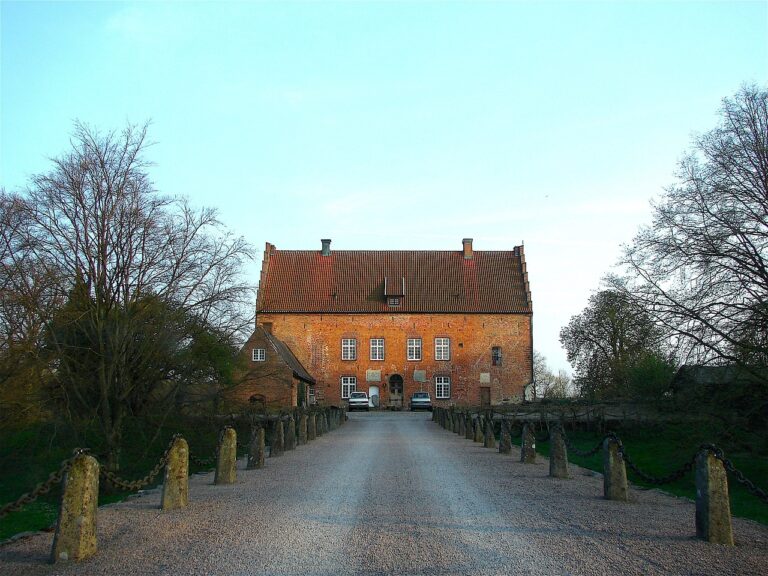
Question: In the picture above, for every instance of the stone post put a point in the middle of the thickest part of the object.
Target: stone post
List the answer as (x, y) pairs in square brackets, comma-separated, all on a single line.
[(449, 422), (713, 507), (490, 436), (460, 428), (468, 430), (458, 418), (319, 420), (303, 429), (278, 439), (528, 446), (478, 429), (226, 463), (505, 439), (256, 450), (75, 537), (312, 427), (290, 437), (614, 472), (558, 454), (176, 480)]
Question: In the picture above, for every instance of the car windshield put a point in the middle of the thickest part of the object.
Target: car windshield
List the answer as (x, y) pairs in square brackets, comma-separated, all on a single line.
[(358, 395), (420, 395)]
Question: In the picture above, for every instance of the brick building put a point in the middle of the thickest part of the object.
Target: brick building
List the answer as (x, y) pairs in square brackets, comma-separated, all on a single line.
[(454, 323)]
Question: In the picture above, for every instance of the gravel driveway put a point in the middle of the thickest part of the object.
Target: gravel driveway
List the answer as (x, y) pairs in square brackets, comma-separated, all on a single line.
[(393, 493)]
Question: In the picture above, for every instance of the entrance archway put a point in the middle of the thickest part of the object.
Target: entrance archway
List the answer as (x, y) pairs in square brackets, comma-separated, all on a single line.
[(396, 391)]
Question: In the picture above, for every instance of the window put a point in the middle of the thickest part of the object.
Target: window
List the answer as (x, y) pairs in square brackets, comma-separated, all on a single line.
[(442, 386), (442, 348), (258, 355), (377, 348), (496, 356), (348, 385), (414, 348), (349, 349), (393, 301)]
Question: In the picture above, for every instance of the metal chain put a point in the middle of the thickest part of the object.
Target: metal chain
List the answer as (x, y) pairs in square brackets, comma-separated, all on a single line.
[(129, 485), (655, 480), (577, 451), (42, 487), (737, 474)]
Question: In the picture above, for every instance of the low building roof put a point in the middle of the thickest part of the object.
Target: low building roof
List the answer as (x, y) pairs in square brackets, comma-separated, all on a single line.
[(287, 355), (431, 281)]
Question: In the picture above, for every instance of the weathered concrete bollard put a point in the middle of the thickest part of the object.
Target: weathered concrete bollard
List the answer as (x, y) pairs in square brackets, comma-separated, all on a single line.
[(226, 463), (278, 439), (449, 422), (75, 537), (489, 441), (303, 429), (528, 446), (290, 437), (713, 507), (319, 431), (469, 431), (176, 480), (505, 439), (478, 429), (461, 427), (256, 450), (614, 472), (558, 454), (312, 427)]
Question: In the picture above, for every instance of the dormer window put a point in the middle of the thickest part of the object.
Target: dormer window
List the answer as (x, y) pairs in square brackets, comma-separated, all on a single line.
[(393, 301), (394, 290)]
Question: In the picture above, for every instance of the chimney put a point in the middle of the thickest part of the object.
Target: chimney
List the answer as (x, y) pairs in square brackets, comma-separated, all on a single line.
[(467, 242), (326, 251)]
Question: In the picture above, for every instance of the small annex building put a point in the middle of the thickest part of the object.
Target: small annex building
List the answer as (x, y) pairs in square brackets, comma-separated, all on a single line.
[(457, 324), (273, 375)]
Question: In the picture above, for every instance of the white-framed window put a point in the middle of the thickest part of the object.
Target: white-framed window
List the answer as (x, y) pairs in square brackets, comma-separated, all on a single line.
[(393, 301), (348, 385), (349, 349), (414, 348), (377, 348), (442, 386), (258, 354), (442, 348)]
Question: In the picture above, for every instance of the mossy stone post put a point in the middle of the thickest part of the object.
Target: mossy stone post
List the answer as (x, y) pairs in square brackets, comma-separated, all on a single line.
[(75, 537), (278, 439), (434, 415), (290, 437), (713, 507), (614, 472), (176, 480), (558, 454), (319, 431), (256, 450), (226, 463), (505, 439), (461, 431), (312, 427), (449, 421), (489, 441), (528, 445), (303, 429), (469, 431), (478, 429)]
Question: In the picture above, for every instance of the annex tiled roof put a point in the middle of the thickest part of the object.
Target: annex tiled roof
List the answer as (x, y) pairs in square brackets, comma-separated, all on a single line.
[(287, 356), (352, 281)]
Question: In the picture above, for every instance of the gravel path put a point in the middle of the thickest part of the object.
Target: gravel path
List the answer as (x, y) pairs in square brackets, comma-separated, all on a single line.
[(393, 493)]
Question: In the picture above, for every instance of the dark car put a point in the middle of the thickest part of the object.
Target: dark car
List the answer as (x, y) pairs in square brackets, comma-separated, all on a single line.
[(421, 401)]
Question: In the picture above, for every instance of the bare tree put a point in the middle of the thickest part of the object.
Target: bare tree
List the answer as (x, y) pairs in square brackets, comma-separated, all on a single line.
[(143, 274), (700, 268), (547, 384)]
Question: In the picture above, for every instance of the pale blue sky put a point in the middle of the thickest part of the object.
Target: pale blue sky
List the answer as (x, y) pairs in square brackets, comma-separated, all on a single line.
[(393, 125)]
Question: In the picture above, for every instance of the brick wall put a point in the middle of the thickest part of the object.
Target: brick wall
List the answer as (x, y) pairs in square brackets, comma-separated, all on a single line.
[(272, 377), (316, 341)]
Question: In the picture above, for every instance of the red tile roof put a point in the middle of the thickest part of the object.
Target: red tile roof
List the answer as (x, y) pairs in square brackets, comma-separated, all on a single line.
[(352, 281)]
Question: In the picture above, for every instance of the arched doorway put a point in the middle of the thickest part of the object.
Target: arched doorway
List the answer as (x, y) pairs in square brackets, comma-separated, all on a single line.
[(396, 391)]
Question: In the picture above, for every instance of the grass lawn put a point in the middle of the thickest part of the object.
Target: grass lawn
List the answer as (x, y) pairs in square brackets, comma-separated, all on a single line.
[(659, 452), (28, 456)]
